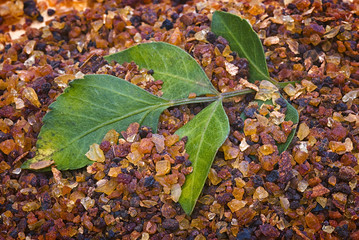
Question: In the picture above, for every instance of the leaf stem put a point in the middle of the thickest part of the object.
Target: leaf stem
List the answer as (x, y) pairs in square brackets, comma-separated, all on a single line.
[(210, 99), (236, 93)]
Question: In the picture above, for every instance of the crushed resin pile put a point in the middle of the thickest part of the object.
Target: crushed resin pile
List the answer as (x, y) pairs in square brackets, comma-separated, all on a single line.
[(310, 191)]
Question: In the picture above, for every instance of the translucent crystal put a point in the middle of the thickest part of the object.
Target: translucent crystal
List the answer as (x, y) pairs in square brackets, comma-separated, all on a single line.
[(266, 91), (350, 96), (114, 171), (303, 131), (96, 25), (29, 47), (163, 167), (271, 40), (244, 168), (201, 35), (266, 149), (277, 117), (108, 187), (64, 79), (87, 202), (76, 195), (290, 90), (260, 193), (31, 206), (315, 39), (137, 38), (235, 204), (159, 142), (145, 146), (111, 136), (134, 157), (58, 25), (176, 192), (302, 185), (310, 87), (322, 201), (213, 177), (340, 197), (300, 156), (176, 37), (171, 139), (145, 236), (95, 153), (334, 58), (238, 193), (19, 103), (284, 202), (244, 145), (332, 32), (250, 127), (230, 152), (328, 229), (337, 147), (7, 146), (30, 94)]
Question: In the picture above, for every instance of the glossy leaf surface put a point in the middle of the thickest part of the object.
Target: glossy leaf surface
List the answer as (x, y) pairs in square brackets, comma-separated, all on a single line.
[(243, 40), (179, 71), (206, 132), (86, 111)]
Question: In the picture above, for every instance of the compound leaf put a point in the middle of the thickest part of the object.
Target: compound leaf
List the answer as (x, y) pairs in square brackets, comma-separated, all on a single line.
[(206, 132), (85, 112), (180, 73)]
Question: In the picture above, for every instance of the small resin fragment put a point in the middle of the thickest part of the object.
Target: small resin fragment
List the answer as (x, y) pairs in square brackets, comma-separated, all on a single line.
[(277, 117), (266, 149), (87, 202), (7, 146), (230, 152), (319, 190), (163, 167), (267, 91), (260, 193), (95, 153), (303, 131), (131, 132), (231, 68), (310, 87), (192, 95), (213, 177), (244, 145), (313, 222), (235, 205), (350, 96), (176, 192), (271, 40), (159, 141), (247, 84), (111, 136), (114, 171), (31, 206), (30, 94)]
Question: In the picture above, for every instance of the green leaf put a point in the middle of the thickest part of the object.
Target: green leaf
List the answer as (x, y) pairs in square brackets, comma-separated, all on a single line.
[(206, 132), (86, 111), (180, 73), (291, 115), (243, 40)]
